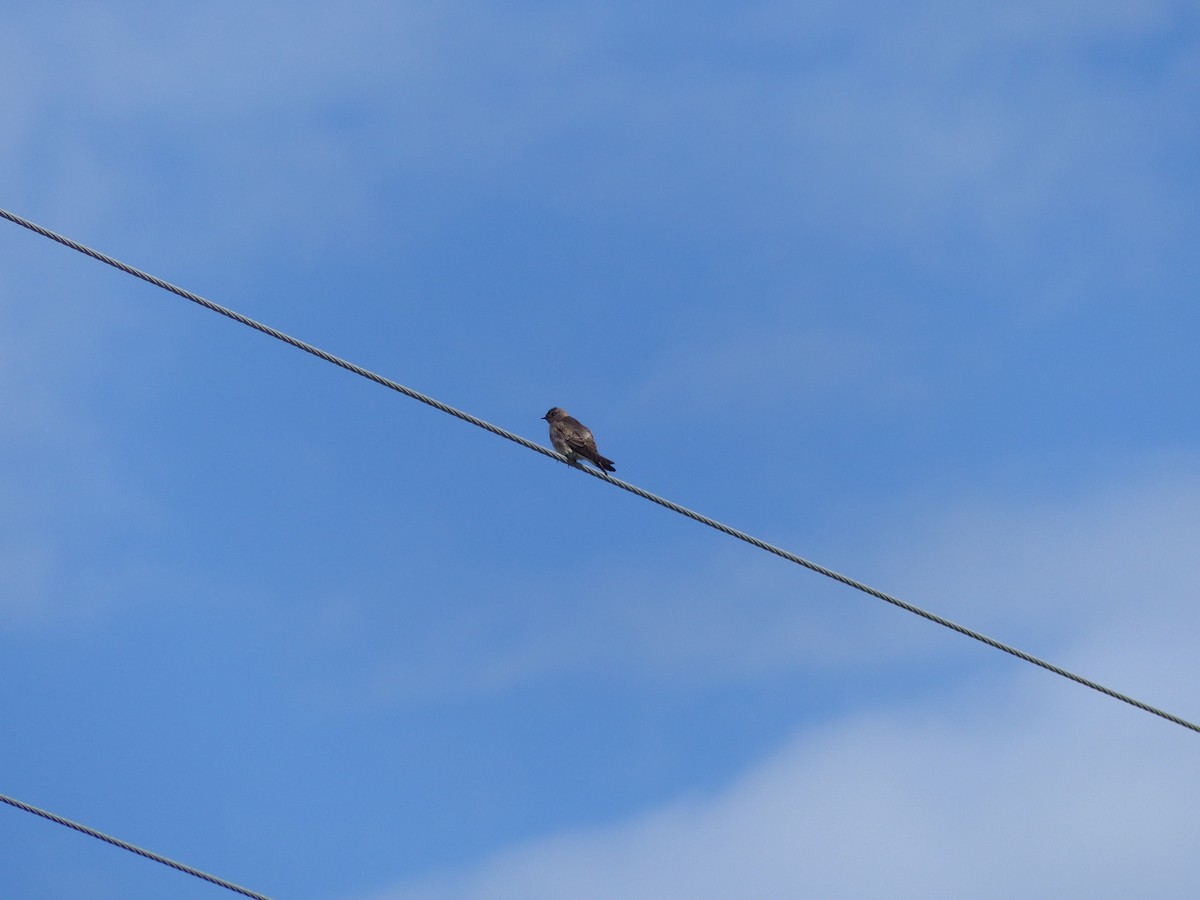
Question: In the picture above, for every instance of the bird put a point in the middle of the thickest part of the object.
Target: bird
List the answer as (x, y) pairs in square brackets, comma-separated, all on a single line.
[(574, 440)]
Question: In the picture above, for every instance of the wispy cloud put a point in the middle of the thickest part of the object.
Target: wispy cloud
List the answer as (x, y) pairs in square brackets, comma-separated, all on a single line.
[(900, 130), (66, 497), (997, 791), (949, 784), (752, 372), (1043, 576)]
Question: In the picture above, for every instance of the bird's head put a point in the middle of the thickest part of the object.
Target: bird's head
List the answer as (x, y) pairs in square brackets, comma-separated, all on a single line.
[(555, 413)]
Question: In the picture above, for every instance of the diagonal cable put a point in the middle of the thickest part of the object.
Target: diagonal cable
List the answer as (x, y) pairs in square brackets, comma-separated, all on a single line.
[(117, 842), (633, 489)]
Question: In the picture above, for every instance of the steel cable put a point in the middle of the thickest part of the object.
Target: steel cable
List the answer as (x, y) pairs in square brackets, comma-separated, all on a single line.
[(125, 845), (633, 489)]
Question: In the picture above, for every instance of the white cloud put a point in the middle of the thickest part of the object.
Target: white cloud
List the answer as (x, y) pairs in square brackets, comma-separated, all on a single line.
[(1083, 564), (888, 128), (64, 499), (999, 124), (1018, 788), (753, 370), (1042, 577), (736, 618), (1013, 782)]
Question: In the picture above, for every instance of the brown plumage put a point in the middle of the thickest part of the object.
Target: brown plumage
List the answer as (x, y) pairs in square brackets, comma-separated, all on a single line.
[(574, 440)]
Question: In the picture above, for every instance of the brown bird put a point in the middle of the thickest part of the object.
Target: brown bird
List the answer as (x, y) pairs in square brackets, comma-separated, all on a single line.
[(574, 440)]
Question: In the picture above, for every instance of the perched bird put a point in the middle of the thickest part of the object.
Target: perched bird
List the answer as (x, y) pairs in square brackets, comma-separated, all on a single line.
[(574, 440)]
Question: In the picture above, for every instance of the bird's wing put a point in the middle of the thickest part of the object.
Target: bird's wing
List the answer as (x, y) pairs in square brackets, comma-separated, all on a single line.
[(580, 440)]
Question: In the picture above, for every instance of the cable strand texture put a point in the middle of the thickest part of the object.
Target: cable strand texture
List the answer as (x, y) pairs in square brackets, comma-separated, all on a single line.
[(633, 489), (117, 842)]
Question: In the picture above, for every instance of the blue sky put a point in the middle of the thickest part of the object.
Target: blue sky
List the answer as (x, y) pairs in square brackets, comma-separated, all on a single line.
[(909, 290)]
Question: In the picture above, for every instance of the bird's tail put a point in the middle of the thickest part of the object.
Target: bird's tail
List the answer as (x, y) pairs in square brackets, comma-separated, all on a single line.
[(606, 465)]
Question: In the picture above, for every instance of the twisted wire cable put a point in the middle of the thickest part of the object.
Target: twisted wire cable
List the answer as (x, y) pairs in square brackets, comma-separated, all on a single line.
[(633, 489), (124, 845)]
